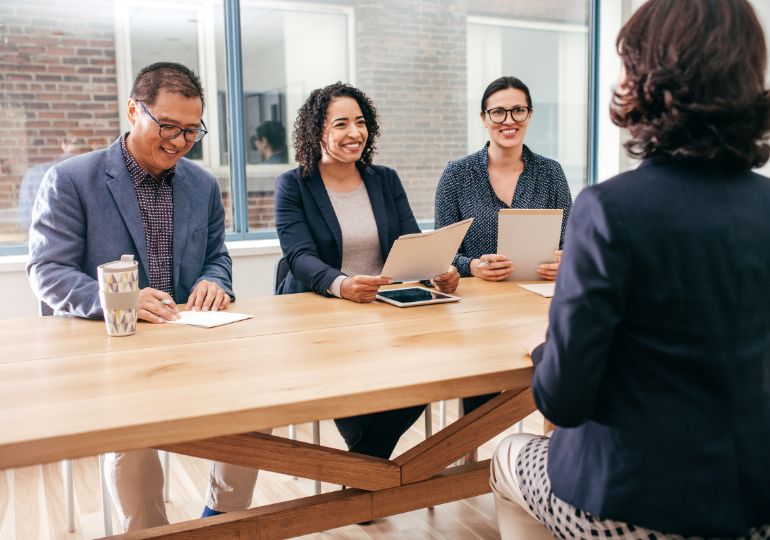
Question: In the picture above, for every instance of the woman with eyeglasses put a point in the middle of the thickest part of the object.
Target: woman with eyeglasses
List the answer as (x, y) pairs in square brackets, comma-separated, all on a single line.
[(503, 174)]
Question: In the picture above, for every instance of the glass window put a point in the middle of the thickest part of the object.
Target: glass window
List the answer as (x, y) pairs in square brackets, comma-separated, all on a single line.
[(58, 96), (69, 66), (287, 53), (557, 77), (176, 31)]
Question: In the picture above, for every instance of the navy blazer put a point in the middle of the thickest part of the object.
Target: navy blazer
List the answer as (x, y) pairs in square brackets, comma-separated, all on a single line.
[(310, 234), (657, 359), (87, 214)]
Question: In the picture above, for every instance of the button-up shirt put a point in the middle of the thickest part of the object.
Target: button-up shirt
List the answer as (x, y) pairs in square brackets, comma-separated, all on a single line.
[(464, 191), (156, 206)]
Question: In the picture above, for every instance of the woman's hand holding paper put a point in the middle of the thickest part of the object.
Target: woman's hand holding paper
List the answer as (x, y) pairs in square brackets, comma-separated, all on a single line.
[(448, 281), (492, 267)]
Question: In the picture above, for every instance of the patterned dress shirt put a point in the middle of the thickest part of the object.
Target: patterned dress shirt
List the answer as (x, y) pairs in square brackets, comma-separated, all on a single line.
[(156, 206), (464, 191)]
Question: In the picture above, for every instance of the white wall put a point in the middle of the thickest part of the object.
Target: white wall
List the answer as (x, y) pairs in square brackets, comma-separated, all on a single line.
[(253, 264)]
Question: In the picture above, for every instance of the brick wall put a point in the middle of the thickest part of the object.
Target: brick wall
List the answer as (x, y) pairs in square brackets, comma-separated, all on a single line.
[(57, 79), (410, 59)]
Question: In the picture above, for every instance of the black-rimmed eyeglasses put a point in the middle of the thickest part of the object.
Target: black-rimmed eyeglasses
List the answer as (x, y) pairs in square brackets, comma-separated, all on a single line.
[(518, 114), (170, 131)]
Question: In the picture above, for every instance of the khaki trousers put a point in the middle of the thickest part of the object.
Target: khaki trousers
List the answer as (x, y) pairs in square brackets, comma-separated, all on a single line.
[(135, 482), (514, 519)]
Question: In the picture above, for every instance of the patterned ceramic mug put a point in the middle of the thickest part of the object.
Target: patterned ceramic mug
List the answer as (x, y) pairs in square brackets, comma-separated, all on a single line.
[(119, 295)]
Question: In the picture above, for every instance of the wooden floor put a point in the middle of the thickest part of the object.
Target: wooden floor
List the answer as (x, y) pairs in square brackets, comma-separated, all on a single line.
[(32, 498)]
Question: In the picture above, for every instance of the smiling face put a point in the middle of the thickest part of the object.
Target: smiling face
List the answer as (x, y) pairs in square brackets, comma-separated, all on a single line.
[(344, 136), (510, 133), (153, 153)]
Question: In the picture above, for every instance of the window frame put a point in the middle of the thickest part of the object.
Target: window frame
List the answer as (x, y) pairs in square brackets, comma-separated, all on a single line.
[(239, 171)]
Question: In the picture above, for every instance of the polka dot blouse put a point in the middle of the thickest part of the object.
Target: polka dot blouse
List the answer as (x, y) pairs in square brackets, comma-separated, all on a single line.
[(464, 191)]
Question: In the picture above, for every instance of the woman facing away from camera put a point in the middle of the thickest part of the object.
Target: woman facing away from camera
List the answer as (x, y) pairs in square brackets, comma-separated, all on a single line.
[(656, 364), (503, 174)]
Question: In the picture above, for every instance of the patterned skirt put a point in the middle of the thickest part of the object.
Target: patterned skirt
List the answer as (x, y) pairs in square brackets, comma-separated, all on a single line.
[(569, 523)]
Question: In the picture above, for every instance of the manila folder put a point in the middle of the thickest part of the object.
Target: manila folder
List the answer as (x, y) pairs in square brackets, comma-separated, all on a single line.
[(425, 255), (528, 238)]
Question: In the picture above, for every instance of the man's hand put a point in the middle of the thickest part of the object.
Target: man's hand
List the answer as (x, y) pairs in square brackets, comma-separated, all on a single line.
[(448, 281), (549, 271), (208, 296), (362, 289), (156, 306), (492, 267)]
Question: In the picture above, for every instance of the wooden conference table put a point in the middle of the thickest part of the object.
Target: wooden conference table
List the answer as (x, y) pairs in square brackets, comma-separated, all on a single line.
[(67, 390)]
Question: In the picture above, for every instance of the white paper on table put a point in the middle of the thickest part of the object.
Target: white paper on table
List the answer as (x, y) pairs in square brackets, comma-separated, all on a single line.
[(543, 289), (209, 319), (425, 255), (528, 238)]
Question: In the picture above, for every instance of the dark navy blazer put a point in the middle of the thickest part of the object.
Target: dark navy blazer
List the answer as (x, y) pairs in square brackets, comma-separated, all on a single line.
[(657, 358), (310, 234)]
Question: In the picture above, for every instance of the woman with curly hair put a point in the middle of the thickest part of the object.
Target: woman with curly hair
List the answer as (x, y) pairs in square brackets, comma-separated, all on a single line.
[(656, 364), (337, 216)]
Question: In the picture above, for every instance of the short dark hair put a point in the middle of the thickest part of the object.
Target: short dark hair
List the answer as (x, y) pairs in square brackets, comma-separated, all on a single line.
[(501, 84), (695, 82), (311, 117), (274, 133), (168, 76)]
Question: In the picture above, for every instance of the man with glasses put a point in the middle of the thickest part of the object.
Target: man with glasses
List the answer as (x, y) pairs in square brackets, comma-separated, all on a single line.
[(136, 197)]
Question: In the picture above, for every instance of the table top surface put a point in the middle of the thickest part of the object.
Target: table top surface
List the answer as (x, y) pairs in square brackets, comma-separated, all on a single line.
[(69, 390)]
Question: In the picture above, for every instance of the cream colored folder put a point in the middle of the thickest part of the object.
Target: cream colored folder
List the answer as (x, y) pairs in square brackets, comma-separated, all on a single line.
[(425, 255), (528, 238)]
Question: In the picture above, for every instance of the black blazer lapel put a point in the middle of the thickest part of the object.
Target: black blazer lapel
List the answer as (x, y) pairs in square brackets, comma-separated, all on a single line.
[(122, 191), (318, 191), (373, 185)]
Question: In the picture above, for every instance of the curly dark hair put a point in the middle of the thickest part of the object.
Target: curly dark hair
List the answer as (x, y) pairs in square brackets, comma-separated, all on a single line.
[(695, 82), (311, 117)]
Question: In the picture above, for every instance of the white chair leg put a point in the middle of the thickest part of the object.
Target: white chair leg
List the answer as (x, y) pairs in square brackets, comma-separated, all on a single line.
[(428, 420), (106, 502), (519, 427), (166, 475), (442, 414), (317, 440), (69, 494)]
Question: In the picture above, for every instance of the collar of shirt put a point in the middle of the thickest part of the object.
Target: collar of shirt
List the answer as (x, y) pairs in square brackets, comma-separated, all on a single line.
[(483, 156), (138, 174)]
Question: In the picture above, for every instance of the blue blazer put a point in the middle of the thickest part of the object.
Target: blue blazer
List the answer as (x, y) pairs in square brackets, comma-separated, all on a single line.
[(656, 365), (310, 234), (87, 214)]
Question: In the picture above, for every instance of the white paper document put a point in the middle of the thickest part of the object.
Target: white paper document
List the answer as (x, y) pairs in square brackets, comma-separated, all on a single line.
[(425, 255), (528, 238), (209, 319), (543, 289)]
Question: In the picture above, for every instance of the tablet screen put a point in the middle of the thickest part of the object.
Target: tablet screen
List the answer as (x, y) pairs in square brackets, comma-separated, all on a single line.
[(414, 294)]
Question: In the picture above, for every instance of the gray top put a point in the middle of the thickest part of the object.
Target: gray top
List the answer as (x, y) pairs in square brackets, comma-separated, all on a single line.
[(361, 253)]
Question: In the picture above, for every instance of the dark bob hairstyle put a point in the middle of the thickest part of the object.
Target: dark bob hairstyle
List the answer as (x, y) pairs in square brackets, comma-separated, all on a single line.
[(503, 83), (694, 83), (311, 118)]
